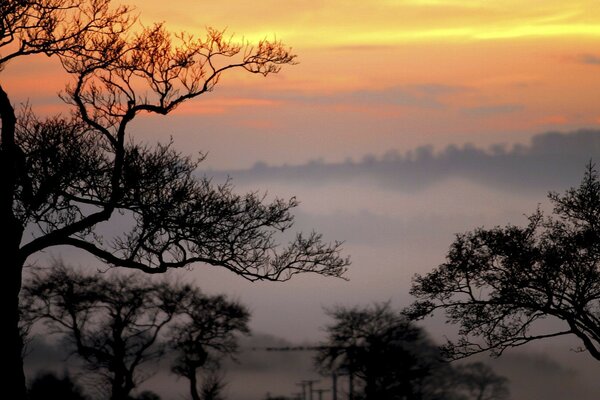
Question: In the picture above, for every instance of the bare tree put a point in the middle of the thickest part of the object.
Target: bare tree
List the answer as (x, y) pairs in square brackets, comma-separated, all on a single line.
[(213, 385), (206, 332), (30, 27), (496, 284), (119, 325), (113, 325), (64, 176), (57, 26)]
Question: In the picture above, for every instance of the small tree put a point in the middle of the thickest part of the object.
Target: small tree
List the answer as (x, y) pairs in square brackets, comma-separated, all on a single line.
[(205, 332), (496, 284), (387, 356), (118, 325), (212, 386), (62, 177)]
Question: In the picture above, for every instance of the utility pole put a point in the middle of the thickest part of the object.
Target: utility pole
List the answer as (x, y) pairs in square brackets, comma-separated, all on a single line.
[(333, 386), (303, 385), (351, 386), (309, 383), (320, 392)]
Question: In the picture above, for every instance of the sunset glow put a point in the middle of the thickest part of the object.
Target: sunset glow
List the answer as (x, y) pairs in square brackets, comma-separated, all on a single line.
[(419, 71)]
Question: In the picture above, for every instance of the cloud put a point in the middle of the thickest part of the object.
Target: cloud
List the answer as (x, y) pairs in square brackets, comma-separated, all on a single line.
[(485, 111), (552, 161), (395, 96), (590, 59), (424, 95), (421, 96)]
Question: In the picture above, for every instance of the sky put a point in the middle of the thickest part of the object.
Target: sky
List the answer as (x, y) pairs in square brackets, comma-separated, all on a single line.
[(380, 75), (403, 123), (374, 76)]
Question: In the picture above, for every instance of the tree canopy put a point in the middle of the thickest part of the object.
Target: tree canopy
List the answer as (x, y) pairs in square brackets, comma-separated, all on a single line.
[(75, 172), (386, 356), (498, 283), (207, 329), (66, 175), (119, 325)]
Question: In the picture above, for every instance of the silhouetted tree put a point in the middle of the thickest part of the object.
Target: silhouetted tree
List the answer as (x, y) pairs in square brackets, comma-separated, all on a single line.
[(389, 358), (30, 27), (56, 26), (63, 176), (205, 332), (497, 283), (387, 355), (212, 386), (117, 325), (47, 385)]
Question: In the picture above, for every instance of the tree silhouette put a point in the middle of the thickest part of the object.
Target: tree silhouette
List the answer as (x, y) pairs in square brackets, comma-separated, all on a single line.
[(212, 386), (497, 283), (205, 332), (57, 26), (390, 358), (119, 325), (64, 176), (387, 356)]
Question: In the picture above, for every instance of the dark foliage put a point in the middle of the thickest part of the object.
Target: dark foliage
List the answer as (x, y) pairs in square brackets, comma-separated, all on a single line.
[(391, 358), (47, 385), (497, 283), (62, 177), (206, 330), (118, 326)]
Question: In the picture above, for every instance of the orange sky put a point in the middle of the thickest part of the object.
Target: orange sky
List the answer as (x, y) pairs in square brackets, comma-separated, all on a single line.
[(378, 75)]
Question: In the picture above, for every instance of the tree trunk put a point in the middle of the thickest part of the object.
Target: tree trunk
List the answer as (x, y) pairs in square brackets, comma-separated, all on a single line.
[(193, 385), (11, 232), (351, 385), (334, 386), (120, 389), (13, 377), (120, 385)]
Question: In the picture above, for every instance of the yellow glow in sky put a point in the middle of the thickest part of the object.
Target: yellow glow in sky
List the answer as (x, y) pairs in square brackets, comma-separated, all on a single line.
[(338, 23), (414, 71), (408, 72)]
